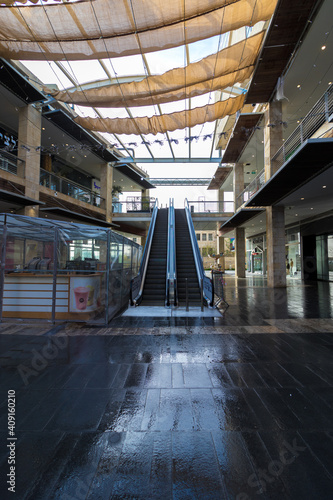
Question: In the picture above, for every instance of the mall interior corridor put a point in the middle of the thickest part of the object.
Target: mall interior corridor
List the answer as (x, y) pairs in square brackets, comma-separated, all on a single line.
[(235, 406)]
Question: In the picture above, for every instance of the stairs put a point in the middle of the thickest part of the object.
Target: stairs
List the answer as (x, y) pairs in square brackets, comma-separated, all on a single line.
[(185, 262), (155, 282)]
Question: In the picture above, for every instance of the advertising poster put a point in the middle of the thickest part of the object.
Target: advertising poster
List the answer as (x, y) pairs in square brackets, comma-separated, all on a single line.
[(85, 293)]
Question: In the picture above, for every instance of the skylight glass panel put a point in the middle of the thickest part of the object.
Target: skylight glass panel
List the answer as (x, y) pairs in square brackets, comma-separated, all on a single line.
[(48, 73), (85, 71), (134, 142), (85, 111), (174, 106), (113, 112), (201, 147), (163, 60), (125, 66), (178, 136), (203, 48), (159, 145), (202, 100), (144, 111)]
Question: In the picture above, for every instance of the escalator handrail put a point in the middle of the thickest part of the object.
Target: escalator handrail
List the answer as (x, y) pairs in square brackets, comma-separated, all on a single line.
[(139, 279), (171, 274), (207, 283)]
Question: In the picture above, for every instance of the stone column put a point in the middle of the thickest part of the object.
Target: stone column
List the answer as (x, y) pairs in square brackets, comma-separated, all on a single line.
[(29, 139), (240, 252), (276, 247), (220, 248), (238, 182), (106, 189), (144, 239), (272, 136), (145, 203), (275, 226)]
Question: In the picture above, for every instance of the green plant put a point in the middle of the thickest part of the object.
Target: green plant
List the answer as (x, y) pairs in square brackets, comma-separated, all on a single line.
[(117, 190)]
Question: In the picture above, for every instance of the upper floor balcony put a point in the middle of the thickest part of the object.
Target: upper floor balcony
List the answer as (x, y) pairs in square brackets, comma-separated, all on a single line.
[(11, 163), (311, 127), (70, 188)]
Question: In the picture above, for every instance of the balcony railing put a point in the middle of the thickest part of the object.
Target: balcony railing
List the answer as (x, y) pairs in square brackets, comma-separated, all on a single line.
[(215, 207), (134, 204), (11, 163), (61, 185), (251, 189), (321, 112)]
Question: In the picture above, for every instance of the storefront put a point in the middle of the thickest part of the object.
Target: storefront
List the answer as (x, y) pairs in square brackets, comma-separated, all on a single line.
[(64, 271)]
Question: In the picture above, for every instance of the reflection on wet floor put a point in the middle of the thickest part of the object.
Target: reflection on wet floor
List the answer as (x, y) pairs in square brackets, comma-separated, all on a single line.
[(236, 406)]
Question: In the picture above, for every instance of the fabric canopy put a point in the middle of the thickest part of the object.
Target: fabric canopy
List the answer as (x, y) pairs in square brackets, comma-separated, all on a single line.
[(164, 123), (195, 79), (108, 28)]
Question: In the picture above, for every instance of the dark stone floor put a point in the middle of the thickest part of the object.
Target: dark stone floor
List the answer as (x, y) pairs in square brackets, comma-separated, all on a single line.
[(237, 407)]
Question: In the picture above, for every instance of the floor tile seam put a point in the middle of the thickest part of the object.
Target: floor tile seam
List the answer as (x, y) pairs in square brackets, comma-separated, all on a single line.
[(221, 476), (44, 467), (328, 473)]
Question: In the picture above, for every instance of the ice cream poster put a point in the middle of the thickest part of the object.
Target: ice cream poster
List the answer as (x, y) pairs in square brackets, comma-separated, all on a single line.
[(85, 293)]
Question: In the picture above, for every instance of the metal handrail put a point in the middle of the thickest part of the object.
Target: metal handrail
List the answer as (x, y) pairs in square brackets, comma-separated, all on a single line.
[(321, 112), (137, 283), (10, 162), (62, 180), (171, 280), (205, 284)]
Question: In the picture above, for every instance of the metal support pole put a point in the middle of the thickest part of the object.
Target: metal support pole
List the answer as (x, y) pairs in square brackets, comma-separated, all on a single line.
[(186, 294), (107, 277), (55, 266), (3, 263), (201, 293)]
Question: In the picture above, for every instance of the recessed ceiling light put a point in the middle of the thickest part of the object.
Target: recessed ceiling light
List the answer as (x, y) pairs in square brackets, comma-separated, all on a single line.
[(260, 221), (329, 83), (296, 215), (297, 121), (43, 128), (324, 187), (323, 47), (311, 208), (298, 86), (302, 198)]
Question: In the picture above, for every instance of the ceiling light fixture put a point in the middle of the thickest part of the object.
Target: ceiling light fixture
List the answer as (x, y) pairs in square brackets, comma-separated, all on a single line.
[(323, 47), (302, 198), (324, 187), (298, 86)]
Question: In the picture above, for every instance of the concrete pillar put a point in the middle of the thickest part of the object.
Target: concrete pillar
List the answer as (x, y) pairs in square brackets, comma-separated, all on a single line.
[(106, 189), (272, 136), (220, 195), (145, 202), (276, 247), (29, 139), (240, 252), (220, 248), (144, 239), (238, 174)]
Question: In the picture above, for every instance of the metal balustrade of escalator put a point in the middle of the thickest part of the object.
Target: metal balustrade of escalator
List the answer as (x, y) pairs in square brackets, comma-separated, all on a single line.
[(155, 280), (186, 268)]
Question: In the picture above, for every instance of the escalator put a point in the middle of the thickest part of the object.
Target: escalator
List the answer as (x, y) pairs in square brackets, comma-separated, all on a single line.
[(154, 284), (186, 267)]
